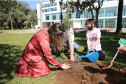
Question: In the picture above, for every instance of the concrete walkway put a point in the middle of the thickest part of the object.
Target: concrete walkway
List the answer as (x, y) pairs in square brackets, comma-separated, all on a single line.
[(22, 31)]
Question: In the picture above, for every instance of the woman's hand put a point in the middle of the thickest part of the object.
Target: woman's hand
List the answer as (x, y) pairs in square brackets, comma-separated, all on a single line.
[(65, 66)]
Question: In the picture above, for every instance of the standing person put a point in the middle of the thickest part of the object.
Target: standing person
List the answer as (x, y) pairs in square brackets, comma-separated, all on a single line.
[(33, 62), (93, 38)]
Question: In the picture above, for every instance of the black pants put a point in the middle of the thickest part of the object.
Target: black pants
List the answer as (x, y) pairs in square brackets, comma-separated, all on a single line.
[(101, 53)]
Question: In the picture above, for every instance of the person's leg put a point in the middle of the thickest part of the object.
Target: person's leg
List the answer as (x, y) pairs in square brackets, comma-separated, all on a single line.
[(57, 52), (66, 47), (85, 48), (101, 55), (76, 47), (52, 47)]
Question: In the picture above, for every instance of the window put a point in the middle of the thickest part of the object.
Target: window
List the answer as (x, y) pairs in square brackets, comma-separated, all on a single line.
[(124, 10), (45, 10), (54, 17), (101, 13), (51, 4), (78, 15), (100, 23), (47, 17), (53, 9), (55, 4), (111, 12), (124, 23), (110, 23)]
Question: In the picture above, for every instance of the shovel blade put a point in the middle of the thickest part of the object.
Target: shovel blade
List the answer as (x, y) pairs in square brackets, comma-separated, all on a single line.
[(105, 68)]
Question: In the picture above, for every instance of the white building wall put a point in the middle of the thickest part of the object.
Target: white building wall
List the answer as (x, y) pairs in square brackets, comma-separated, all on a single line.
[(75, 21)]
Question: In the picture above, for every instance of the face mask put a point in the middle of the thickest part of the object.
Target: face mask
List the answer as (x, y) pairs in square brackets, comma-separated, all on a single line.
[(90, 28)]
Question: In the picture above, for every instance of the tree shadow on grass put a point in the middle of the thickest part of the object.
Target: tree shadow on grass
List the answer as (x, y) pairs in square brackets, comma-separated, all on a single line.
[(9, 57)]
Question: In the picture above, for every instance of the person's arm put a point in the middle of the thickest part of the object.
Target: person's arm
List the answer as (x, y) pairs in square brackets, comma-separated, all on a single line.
[(98, 39), (47, 52), (71, 42), (71, 47), (88, 43), (96, 42)]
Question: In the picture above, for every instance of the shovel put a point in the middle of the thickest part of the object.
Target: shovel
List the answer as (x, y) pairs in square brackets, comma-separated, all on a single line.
[(121, 42), (111, 61)]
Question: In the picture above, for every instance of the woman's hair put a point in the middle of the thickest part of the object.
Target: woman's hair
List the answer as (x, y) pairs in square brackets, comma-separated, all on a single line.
[(56, 35), (89, 21)]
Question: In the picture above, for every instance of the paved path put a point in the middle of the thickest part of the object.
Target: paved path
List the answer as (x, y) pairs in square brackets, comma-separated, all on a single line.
[(22, 31)]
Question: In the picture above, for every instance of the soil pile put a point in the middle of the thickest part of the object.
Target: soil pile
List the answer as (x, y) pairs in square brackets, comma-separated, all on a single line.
[(89, 73)]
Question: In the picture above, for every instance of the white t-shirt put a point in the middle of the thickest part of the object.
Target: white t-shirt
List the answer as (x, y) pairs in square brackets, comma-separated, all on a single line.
[(93, 35), (69, 35)]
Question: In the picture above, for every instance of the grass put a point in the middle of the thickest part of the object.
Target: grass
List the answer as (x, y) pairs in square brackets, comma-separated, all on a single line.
[(13, 44)]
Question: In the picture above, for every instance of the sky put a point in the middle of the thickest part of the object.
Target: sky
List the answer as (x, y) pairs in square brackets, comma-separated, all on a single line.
[(33, 3)]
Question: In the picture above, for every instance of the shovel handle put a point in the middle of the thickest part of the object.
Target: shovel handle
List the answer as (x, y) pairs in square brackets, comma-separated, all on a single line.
[(116, 54), (114, 57)]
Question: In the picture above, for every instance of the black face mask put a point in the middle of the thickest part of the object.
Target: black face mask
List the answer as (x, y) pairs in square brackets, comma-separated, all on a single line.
[(90, 28)]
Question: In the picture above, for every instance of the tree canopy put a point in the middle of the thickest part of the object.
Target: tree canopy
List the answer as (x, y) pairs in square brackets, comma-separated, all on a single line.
[(15, 13)]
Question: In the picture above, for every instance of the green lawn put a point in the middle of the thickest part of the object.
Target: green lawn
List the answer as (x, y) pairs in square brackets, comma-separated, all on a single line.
[(12, 45)]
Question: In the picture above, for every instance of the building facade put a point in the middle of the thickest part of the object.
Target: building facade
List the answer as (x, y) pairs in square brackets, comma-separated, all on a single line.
[(107, 15)]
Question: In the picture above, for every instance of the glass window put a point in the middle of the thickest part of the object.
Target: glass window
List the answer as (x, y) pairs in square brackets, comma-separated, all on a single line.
[(124, 10), (111, 12), (124, 23), (47, 17), (54, 9), (87, 14), (101, 12), (110, 23), (45, 10), (48, 5), (100, 23), (54, 17), (77, 15), (51, 4), (55, 4)]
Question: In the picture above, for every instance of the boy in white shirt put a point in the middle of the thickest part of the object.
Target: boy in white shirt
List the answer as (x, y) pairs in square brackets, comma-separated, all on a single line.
[(93, 38)]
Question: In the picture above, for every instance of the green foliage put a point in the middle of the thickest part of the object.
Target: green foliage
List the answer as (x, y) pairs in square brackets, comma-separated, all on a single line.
[(19, 12), (66, 21), (32, 18)]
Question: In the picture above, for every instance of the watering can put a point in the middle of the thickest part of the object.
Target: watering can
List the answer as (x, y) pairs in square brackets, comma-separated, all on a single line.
[(91, 56)]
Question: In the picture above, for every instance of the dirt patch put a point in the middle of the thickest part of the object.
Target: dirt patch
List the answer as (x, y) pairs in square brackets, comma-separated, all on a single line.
[(88, 73)]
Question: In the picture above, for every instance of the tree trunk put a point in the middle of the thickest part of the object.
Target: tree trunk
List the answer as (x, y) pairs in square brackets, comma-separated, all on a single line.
[(97, 12), (92, 13), (119, 20), (16, 25), (10, 18)]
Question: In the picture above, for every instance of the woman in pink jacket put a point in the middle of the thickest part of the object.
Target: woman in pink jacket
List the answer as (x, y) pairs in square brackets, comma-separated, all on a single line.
[(33, 62)]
